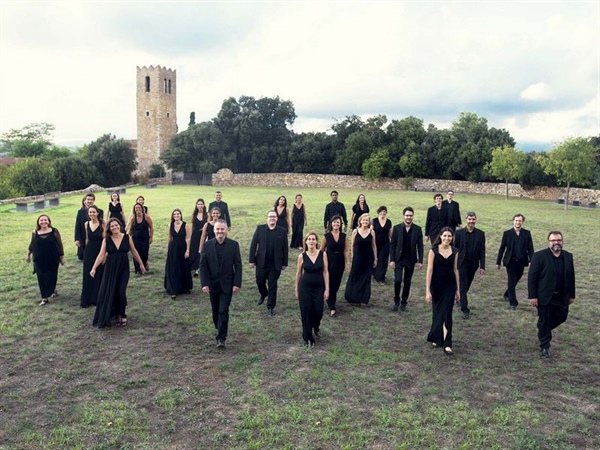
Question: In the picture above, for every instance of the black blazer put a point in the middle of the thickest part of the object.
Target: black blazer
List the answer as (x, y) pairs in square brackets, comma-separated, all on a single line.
[(432, 226), (453, 212), (224, 211), (509, 240), (259, 256), (80, 220), (478, 246), (416, 244), (541, 279), (221, 277)]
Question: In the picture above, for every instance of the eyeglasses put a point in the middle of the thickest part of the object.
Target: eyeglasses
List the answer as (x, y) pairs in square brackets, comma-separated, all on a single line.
[(555, 240)]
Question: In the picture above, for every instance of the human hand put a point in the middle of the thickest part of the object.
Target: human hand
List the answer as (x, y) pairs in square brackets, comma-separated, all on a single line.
[(419, 266), (236, 289), (534, 302), (206, 290), (428, 297)]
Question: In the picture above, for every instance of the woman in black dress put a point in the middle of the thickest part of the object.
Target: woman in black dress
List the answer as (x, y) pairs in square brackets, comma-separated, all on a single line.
[(364, 259), (141, 200), (199, 218), (94, 228), (442, 289), (47, 250), (382, 226), (178, 278), (208, 231), (141, 229), (283, 218), (112, 296), (299, 219), (312, 287), (335, 245), (115, 208), (358, 209)]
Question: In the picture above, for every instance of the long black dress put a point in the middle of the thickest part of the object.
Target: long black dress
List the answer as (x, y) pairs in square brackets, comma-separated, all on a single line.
[(297, 226), (89, 290), (311, 289), (140, 233), (382, 240), (112, 296), (197, 226), (282, 220), (46, 250), (357, 213), (358, 286), (335, 264), (443, 292), (116, 212), (178, 278)]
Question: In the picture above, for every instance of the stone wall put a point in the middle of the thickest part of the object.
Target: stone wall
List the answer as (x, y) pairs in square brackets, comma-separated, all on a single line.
[(226, 177)]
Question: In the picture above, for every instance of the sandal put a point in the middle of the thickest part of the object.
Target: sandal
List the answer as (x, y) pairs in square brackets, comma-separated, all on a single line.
[(54, 294), (123, 322), (448, 351), (433, 345), (44, 301)]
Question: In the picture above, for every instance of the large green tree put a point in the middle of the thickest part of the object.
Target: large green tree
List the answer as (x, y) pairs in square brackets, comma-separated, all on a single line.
[(113, 158), (74, 172), (33, 176), (571, 161), (508, 164)]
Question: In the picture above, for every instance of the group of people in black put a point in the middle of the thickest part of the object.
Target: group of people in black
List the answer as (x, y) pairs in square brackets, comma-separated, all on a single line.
[(203, 249)]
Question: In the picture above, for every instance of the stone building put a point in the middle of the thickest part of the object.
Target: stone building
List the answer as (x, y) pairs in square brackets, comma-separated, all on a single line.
[(156, 104)]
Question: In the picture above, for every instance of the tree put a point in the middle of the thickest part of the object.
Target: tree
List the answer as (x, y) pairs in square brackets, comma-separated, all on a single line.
[(113, 158), (74, 173), (375, 166), (34, 132), (312, 153), (33, 177), (533, 174), (507, 164), (571, 161), (192, 119)]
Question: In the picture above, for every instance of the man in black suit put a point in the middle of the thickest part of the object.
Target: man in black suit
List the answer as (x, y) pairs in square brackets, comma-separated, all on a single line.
[(470, 242), (406, 252), (221, 276), (516, 251), (269, 254), (437, 218), (222, 207), (551, 285), (80, 220), (453, 210), (335, 208)]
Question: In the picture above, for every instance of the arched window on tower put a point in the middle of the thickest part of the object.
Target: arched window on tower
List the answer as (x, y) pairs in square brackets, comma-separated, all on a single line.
[(147, 84)]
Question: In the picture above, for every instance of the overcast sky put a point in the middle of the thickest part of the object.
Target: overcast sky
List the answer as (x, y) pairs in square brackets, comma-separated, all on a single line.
[(529, 67)]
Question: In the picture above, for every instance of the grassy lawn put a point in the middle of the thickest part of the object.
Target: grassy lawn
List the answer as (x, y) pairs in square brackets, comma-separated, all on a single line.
[(371, 381)]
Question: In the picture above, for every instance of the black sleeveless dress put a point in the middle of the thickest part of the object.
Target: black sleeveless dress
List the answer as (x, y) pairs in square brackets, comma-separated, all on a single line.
[(311, 289), (197, 226), (282, 220), (178, 278), (382, 241), (140, 233), (358, 287), (443, 292), (297, 226), (335, 264), (90, 287)]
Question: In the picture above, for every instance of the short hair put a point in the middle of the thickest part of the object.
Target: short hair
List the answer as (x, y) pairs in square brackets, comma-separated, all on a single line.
[(408, 208), (519, 215), (333, 192), (138, 197), (554, 232), (271, 211), (220, 221), (381, 208), (471, 214), (90, 194), (218, 192), (310, 233), (333, 219), (450, 191), (438, 195), (363, 215)]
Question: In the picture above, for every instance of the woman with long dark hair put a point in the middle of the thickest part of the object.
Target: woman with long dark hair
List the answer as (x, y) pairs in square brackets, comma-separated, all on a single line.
[(335, 245), (178, 278), (47, 250), (358, 209), (94, 229), (141, 229), (199, 218), (299, 220), (382, 226), (115, 208), (283, 218), (208, 231), (442, 288)]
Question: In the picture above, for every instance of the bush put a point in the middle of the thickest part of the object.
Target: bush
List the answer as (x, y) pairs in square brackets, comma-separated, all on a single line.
[(7, 190), (156, 171), (74, 173), (33, 177)]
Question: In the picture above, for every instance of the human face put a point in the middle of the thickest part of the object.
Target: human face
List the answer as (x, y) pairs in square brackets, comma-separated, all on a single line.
[(336, 224), (218, 196), (334, 197), (114, 197), (518, 222), (89, 201), (298, 199), (115, 227), (93, 214), (138, 208), (272, 220), (281, 201), (438, 201), (447, 238), (408, 218), (311, 241), (361, 198), (471, 221), (555, 242), (215, 214), (43, 222), (365, 222), (140, 200), (176, 216), (220, 232), (200, 205), (382, 214), (450, 195)]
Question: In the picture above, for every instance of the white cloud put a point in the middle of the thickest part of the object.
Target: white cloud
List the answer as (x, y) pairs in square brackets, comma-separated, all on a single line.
[(537, 91)]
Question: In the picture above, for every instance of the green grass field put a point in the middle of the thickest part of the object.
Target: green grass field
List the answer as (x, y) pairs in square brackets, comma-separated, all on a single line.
[(371, 381)]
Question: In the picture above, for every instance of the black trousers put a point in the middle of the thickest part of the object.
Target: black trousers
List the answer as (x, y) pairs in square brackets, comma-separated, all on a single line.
[(398, 279), (549, 317), (514, 271), (220, 312), (266, 281), (466, 273)]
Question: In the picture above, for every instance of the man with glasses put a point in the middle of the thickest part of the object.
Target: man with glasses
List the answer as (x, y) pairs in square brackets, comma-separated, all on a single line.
[(551, 285), (269, 255), (406, 252)]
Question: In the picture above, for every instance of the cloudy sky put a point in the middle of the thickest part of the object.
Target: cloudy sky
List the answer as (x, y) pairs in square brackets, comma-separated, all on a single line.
[(530, 67)]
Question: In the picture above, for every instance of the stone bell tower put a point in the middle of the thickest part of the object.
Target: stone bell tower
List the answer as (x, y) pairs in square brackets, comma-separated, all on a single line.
[(156, 100)]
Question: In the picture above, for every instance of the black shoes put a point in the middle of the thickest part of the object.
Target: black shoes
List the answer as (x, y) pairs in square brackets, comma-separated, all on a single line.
[(317, 334), (545, 353), (395, 307), (220, 343), (271, 312), (512, 307), (466, 315), (260, 300), (505, 297), (402, 307)]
